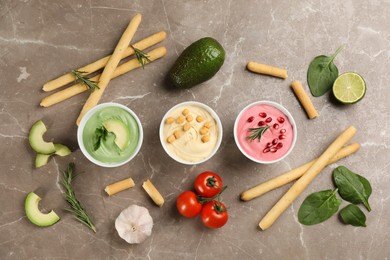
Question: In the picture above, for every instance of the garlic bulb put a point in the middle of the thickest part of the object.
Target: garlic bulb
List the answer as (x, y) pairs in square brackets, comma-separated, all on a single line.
[(134, 224)]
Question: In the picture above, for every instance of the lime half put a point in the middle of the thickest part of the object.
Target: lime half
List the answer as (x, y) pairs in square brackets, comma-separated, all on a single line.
[(349, 88)]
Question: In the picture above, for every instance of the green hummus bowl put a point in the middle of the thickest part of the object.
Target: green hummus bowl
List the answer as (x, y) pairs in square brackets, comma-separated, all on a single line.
[(110, 135)]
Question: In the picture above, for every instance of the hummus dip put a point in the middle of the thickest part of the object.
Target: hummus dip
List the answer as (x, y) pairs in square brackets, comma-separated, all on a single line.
[(194, 133), (109, 152)]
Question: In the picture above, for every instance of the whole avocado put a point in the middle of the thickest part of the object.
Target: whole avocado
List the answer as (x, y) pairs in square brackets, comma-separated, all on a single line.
[(198, 63)]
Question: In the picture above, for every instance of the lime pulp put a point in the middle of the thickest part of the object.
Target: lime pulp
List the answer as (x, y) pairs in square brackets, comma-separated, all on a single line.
[(349, 88)]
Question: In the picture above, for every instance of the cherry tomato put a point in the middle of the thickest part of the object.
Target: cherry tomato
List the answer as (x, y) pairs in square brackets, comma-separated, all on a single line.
[(208, 184), (214, 214), (188, 205)]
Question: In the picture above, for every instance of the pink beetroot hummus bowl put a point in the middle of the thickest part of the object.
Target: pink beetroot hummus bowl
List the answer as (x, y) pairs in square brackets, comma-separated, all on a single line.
[(265, 132)]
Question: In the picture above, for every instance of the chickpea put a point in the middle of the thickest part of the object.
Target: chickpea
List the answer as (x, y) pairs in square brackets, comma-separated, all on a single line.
[(203, 131), (207, 125), (177, 134), (187, 127), (189, 118), (205, 138), (185, 112), (169, 120), (199, 119), (171, 139), (180, 119)]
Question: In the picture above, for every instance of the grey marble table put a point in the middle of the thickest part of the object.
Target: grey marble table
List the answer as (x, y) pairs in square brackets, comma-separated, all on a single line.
[(40, 40)]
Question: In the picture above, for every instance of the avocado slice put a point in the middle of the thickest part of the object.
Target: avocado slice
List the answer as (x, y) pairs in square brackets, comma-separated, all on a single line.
[(62, 150), (42, 159), (36, 139), (35, 215), (120, 130), (198, 63)]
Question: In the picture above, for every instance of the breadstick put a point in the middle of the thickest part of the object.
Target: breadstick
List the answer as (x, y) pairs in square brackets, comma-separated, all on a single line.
[(99, 64), (111, 65), (153, 193), (79, 88), (299, 186), (267, 70), (304, 99), (294, 174), (119, 186)]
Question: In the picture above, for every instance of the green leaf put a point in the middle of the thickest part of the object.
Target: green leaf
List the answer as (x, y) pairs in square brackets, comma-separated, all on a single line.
[(100, 135), (352, 215), (257, 133), (318, 207), (322, 73), (352, 187), (80, 77)]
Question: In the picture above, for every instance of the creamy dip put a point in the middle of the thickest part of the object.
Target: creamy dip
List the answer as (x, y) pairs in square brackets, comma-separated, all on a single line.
[(109, 152), (257, 149), (189, 145)]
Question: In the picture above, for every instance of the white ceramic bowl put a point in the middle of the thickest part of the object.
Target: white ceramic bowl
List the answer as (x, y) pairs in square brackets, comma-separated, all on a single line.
[(85, 119), (212, 113), (279, 107)]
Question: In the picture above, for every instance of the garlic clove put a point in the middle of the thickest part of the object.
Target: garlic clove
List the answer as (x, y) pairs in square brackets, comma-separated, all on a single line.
[(134, 224)]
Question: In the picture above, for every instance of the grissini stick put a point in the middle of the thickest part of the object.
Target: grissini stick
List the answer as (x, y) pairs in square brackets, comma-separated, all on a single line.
[(71, 91), (119, 186), (301, 184), (304, 99), (99, 64), (267, 70), (294, 174), (154, 194), (111, 65)]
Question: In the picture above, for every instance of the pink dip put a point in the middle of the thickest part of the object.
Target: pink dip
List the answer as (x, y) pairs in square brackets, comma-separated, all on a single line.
[(255, 149)]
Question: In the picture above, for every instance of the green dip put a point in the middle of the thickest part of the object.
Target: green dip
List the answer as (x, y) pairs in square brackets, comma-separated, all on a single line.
[(109, 152)]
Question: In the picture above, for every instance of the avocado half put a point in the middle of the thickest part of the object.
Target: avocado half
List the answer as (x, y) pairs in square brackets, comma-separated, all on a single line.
[(198, 63), (35, 215)]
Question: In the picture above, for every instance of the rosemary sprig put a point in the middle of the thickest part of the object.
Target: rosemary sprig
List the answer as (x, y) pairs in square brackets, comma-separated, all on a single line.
[(141, 57), (257, 133), (80, 78), (75, 206)]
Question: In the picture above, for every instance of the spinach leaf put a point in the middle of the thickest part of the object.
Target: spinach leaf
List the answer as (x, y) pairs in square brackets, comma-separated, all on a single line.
[(100, 134), (352, 215), (318, 207), (352, 187), (322, 73)]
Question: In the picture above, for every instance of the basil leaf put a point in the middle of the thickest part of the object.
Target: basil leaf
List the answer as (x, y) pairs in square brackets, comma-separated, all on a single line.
[(318, 207), (322, 73), (353, 215), (352, 187)]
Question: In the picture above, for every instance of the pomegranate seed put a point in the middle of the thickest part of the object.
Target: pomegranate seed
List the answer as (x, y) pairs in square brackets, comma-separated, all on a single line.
[(281, 119), (282, 131), (269, 145), (275, 141), (266, 150), (273, 150), (268, 120), (279, 145), (262, 114), (251, 119), (276, 126), (261, 123), (281, 137)]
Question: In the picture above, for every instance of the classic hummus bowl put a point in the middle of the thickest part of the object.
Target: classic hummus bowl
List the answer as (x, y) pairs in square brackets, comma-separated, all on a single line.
[(110, 135), (191, 132)]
